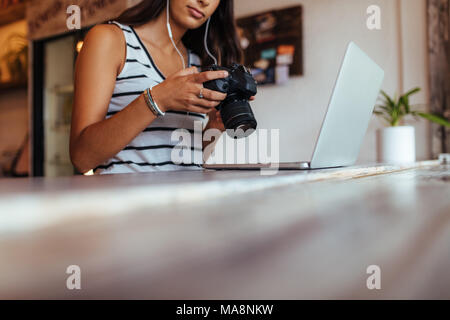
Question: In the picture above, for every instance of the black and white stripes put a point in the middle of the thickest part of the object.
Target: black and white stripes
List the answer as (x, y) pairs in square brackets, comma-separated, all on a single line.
[(152, 149)]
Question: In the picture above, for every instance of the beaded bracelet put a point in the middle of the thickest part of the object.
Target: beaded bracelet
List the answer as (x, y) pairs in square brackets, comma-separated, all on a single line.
[(152, 105)]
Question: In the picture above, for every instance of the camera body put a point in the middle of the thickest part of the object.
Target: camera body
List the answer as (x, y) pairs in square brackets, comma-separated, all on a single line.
[(235, 110)]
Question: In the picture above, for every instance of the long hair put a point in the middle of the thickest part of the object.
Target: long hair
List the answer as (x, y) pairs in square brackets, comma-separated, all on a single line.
[(223, 41)]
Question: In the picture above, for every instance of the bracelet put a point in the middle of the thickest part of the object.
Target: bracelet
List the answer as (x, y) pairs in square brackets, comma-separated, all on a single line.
[(151, 104)]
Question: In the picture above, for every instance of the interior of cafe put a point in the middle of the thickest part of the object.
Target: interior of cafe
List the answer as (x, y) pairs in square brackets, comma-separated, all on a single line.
[(375, 191), (39, 52)]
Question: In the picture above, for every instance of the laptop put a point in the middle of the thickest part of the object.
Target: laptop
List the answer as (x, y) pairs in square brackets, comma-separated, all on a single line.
[(344, 127)]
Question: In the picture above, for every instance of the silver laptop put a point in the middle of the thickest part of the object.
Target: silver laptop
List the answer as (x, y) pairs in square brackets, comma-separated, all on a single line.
[(347, 119)]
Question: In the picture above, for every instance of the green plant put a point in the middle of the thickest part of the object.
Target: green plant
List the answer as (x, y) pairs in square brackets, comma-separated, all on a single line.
[(393, 110)]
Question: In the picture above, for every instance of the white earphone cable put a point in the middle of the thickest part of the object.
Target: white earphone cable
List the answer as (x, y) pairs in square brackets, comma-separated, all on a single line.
[(169, 29), (205, 41)]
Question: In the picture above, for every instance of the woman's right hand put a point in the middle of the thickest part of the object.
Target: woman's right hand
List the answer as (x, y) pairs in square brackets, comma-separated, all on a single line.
[(181, 91)]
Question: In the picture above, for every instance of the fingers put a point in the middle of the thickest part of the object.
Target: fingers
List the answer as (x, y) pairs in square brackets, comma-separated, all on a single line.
[(195, 104), (210, 99), (188, 71), (198, 109), (209, 75), (213, 95), (205, 103)]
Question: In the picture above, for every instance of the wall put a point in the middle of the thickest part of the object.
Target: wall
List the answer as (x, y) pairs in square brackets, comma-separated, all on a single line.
[(13, 107), (415, 71), (47, 18), (298, 108)]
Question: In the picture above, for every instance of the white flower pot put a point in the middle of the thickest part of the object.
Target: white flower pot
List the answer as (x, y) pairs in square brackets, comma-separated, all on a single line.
[(396, 145)]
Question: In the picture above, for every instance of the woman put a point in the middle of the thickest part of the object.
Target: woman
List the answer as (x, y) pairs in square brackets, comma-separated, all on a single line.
[(120, 127)]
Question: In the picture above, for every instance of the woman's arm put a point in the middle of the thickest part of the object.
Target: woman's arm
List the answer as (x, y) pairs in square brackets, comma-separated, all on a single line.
[(94, 139)]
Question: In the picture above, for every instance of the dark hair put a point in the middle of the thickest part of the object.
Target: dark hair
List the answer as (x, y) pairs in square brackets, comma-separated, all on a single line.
[(223, 40)]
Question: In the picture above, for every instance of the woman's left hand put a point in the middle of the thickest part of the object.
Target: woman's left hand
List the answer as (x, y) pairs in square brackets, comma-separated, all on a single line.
[(215, 120)]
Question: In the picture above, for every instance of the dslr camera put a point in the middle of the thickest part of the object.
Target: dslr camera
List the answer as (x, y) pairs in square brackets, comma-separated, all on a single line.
[(235, 110)]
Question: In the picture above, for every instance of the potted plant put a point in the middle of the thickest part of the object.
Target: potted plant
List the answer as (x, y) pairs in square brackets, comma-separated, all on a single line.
[(396, 143)]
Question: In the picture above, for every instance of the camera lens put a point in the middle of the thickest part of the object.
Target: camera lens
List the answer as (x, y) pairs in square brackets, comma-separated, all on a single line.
[(238, 118)]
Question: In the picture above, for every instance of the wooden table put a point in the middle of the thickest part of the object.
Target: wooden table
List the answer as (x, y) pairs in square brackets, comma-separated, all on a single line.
[(229, 235)]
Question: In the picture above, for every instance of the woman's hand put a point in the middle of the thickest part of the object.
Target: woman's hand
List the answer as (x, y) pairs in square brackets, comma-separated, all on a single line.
[(215, 119), (181, 91)]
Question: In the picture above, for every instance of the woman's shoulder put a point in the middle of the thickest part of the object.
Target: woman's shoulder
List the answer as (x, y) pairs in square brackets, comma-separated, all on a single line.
[(105, 33), (106, 38), (104, 43)]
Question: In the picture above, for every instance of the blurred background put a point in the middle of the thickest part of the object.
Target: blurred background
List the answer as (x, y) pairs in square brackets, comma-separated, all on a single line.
[(37, 55)]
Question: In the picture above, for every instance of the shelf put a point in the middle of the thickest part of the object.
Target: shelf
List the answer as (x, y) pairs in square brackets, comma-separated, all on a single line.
[(61, 128), (12, 14), (62, 89)]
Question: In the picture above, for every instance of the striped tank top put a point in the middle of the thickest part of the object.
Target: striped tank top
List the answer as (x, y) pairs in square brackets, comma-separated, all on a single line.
[(152, 149)]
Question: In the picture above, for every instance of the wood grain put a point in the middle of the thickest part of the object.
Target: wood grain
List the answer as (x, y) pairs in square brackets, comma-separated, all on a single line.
[(439, 61), (291, 241)]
